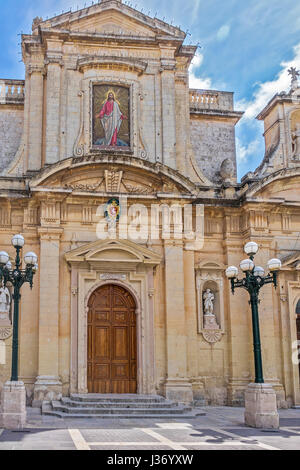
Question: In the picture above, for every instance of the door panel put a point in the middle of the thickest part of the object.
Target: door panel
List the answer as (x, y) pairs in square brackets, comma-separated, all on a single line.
[(112, 341)]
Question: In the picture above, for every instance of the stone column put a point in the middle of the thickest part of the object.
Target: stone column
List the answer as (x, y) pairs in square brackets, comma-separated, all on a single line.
[(48, 385), (168, 116), (177, 386), (35, 131), (52, 112)]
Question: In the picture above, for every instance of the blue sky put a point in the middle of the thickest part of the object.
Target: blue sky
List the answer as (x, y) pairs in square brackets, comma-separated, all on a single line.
[(246, 47)]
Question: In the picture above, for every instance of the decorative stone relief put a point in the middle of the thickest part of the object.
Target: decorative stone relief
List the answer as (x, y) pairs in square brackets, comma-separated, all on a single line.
[(5, 332), (113, 181), (78, 150)]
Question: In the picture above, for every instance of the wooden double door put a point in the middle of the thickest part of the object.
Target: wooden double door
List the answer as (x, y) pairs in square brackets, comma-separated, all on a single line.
[(112, 351)]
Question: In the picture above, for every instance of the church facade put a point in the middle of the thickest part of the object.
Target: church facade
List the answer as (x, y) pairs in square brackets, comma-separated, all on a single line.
[(123, 180)]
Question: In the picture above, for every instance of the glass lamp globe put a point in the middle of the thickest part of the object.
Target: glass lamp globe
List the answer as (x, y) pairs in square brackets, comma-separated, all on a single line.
[(232, 272), (259, 271), (30, 258), (274, 264), (246, 265), (18, 240), (251, 248), (4, 257)]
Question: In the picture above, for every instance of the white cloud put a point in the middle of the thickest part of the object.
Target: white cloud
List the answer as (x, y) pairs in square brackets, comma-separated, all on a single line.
[(243, 152), (198, 82), (195, 9), (223, 32), (267, 90)]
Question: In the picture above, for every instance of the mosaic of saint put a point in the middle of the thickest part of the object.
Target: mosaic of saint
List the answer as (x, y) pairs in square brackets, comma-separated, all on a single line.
[(111, 123)]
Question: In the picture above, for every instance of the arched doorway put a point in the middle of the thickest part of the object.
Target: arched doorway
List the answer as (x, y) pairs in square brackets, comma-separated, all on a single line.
[(112, 350)]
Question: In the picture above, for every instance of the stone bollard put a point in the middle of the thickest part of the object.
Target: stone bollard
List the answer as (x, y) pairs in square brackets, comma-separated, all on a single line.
[(261, 406), (13, 405)]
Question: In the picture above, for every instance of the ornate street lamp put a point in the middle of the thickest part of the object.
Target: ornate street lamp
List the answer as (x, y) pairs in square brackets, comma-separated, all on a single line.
[(17, 277), (253, 281)]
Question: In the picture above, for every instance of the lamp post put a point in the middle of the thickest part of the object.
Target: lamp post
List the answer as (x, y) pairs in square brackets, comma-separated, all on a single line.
[(13, 407), (253, 281)]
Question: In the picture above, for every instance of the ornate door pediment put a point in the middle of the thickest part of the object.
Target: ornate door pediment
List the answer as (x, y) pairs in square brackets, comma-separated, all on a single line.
[(113, 255)]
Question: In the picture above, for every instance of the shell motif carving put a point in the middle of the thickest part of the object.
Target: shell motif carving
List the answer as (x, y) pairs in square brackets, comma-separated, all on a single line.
[(212, 336), (5, 332)]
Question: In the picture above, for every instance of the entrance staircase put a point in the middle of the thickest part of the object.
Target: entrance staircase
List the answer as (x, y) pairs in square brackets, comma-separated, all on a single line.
[(125, 406)]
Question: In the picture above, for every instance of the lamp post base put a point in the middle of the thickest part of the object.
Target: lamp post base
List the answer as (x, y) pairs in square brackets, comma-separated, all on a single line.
[(261, 406), (13, 405)]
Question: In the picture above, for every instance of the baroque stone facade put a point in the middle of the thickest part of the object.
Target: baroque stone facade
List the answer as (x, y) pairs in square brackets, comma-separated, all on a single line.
[(180, 150)]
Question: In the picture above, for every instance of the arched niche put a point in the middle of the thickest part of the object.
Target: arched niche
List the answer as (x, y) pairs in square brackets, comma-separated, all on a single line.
[(210, 275)]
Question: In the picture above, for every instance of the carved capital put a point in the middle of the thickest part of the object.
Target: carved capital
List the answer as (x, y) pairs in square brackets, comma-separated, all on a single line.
[(34, 68)]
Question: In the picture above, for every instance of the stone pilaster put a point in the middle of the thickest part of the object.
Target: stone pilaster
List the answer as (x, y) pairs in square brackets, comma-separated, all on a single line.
[(182, 124), (35, 117), (168, 115), (177, 386), (52, 137), (191, 327), (48, 385)]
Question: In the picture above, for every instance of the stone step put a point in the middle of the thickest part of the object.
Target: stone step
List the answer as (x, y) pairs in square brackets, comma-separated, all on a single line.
[(125, 398), (48, 411), (58, 406), (118, 404)]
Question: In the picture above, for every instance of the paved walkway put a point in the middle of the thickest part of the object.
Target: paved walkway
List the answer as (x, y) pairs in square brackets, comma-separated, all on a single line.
[(222, 428)]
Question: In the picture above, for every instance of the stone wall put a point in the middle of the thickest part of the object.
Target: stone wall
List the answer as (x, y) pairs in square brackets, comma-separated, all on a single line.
[(213, 141), (11, 128)]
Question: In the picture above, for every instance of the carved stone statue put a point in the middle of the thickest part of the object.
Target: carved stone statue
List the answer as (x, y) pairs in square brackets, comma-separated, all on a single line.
[(210, 320), (294, 74), (5, 301), (296, 142), (208, 298)]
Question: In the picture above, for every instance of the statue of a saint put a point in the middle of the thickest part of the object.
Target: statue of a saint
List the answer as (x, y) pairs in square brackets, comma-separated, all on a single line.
[(294, 73), (4, 303), (208, 298), (296, 142)]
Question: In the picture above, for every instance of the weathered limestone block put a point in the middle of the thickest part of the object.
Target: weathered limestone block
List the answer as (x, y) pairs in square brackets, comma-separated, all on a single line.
[(261, 406), (11, 128), (13, 405)]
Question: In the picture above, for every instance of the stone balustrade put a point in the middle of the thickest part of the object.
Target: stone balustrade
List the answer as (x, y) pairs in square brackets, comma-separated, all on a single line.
[(210, 100), (12, 91)]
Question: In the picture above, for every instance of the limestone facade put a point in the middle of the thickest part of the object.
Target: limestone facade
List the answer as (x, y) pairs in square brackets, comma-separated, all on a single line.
[(181, 151)]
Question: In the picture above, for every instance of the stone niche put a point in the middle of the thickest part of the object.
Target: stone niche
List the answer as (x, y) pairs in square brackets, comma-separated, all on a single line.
[(210, 301)]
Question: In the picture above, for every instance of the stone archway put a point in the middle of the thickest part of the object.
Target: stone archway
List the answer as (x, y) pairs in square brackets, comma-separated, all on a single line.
[(112, 342)]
